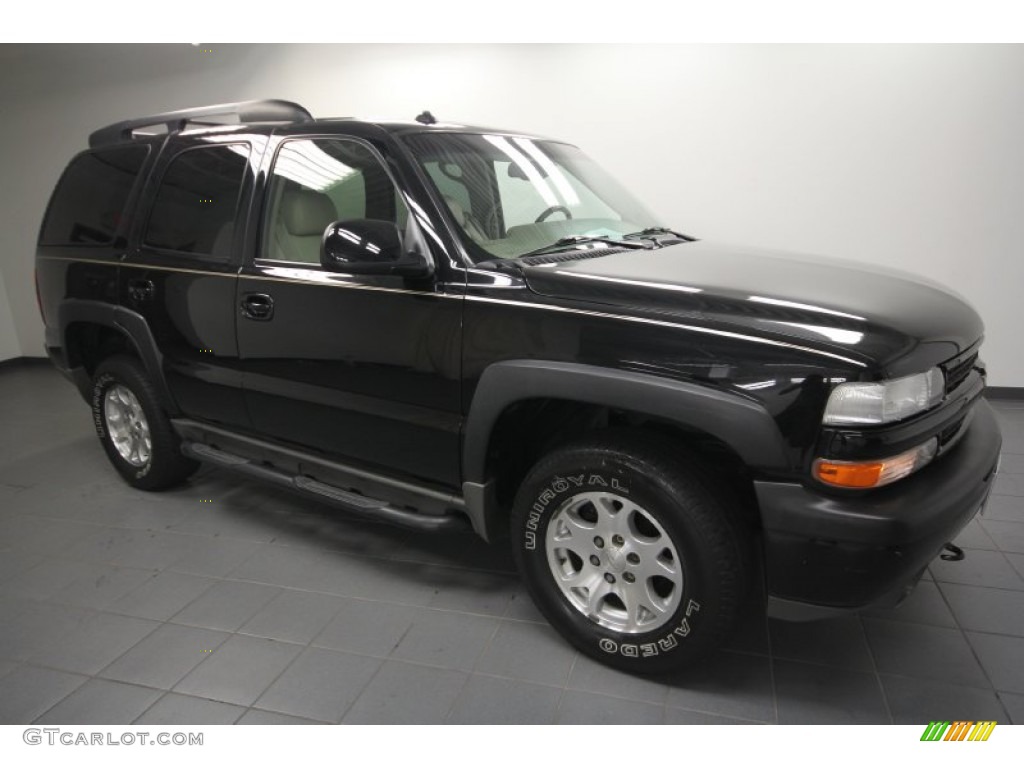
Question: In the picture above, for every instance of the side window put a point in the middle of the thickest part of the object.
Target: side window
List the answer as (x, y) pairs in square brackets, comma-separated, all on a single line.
[(316, 182), (197, 199), (88, 203)]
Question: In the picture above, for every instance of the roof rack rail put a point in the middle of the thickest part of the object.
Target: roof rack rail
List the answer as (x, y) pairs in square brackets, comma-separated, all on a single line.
[(261, 111)]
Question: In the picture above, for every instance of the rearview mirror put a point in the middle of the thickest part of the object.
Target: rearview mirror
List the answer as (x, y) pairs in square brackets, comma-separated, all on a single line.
[(370, 247)]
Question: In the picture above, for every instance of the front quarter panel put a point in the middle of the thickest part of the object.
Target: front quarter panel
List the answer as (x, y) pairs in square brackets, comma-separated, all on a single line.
[(789, 383)]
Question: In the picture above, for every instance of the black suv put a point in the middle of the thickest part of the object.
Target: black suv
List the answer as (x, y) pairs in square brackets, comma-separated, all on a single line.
[(443, 327)]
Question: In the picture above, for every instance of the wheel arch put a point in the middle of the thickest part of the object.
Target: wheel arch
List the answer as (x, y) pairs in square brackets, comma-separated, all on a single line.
[(740, 428), (87, 329)]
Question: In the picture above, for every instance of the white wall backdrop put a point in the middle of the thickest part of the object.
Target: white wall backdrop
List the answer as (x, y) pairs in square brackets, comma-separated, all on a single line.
[(909, 156)]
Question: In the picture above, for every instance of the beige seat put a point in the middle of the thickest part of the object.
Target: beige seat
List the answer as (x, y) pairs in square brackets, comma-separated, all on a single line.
[(465, 219), (299, 229)]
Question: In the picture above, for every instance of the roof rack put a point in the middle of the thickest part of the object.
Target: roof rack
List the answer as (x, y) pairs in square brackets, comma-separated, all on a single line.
[(262, 111)]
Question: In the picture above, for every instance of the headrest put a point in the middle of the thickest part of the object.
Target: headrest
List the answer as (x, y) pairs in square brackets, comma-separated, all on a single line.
[(307, 213), (458, 212)]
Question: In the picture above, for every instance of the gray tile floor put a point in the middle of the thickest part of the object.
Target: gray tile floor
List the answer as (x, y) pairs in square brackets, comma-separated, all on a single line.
[(118, 606)]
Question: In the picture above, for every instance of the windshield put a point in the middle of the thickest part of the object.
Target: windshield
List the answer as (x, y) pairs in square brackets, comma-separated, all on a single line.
[(511, 195)]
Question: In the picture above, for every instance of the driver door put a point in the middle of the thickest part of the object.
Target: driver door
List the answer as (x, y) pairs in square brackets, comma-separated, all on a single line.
[(364, 369)]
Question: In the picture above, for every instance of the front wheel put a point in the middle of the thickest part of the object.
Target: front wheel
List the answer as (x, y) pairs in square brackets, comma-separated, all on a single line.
[(629, 552)]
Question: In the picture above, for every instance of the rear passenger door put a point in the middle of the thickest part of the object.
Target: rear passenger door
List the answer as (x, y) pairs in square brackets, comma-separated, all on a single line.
[(181, 276), (363, 369)]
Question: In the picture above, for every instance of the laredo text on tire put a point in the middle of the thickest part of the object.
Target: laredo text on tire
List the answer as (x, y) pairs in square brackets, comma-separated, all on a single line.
[(630, 553), (133, 427)]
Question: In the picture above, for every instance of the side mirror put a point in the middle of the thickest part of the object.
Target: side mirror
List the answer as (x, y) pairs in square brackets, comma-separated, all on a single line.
[(370, 247)]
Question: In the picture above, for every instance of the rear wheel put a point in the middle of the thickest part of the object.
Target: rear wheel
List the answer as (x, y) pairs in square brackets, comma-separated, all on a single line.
[(133, 427), (630, 553)]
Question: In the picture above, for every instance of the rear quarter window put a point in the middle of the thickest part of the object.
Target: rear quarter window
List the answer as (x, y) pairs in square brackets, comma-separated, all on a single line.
[(88, 205)]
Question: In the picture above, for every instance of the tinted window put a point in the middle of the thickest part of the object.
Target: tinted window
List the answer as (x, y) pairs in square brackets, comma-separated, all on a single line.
[(317, 182), (195, 205), (88, 204)]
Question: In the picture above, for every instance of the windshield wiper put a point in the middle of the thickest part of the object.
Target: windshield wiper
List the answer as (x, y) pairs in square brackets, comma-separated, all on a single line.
[(650, 232), (565, 242)]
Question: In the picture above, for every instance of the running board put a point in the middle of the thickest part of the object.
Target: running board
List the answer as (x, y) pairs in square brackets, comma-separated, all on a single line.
[(338, 497)]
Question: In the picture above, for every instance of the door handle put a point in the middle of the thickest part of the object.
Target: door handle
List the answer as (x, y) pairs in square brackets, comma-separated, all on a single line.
[(140, 289), (258, 306)]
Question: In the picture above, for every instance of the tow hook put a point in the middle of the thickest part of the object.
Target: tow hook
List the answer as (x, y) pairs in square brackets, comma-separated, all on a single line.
[(952, 553)]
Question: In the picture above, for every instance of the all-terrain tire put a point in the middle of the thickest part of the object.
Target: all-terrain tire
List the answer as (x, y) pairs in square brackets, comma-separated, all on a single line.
[(630, 552), (134, 428)]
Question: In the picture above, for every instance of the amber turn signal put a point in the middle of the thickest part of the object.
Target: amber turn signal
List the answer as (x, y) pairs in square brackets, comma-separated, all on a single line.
[(849, 474), (876, 472)]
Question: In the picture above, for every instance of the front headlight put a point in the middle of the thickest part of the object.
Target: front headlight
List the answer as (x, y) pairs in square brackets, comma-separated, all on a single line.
[(882, 402)]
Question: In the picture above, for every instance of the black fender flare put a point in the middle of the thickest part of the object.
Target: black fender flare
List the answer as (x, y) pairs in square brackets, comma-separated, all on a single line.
[(127, 322), (742, 424)]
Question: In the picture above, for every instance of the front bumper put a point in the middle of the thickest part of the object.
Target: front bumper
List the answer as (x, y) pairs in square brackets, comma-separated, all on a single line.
[(828, 553)]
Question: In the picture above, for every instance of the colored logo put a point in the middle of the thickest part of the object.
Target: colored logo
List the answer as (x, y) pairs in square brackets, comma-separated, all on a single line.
[(960, 730)]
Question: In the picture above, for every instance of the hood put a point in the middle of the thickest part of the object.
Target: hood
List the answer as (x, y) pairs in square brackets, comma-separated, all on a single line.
[(897, 321)]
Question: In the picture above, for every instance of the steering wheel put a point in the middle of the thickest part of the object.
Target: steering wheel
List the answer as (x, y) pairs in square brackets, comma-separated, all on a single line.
[(553, 209)]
